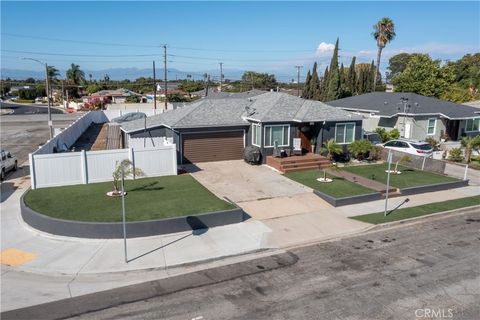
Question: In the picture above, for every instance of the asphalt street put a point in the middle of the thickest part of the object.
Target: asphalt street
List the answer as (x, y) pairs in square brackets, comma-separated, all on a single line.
[(19, 109), (407, 272)]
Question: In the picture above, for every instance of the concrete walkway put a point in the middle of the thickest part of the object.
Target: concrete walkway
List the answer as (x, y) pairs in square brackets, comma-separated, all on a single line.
[(37, 267)]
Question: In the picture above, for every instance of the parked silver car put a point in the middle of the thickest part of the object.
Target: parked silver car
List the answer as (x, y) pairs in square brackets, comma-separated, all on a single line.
[(418, 148), (9, 163)]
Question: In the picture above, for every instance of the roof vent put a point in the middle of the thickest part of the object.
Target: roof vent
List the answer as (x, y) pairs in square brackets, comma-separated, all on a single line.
[(250, 111)]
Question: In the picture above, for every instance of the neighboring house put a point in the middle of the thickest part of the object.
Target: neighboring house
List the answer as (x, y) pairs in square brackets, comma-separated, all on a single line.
[(114, 96), (220, 128), (415, 116)]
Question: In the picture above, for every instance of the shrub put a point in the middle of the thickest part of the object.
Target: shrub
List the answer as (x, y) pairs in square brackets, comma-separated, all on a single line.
[(132, 99), (434, 143), (455, 154), (387, 135), (360, 149), (375, 153)]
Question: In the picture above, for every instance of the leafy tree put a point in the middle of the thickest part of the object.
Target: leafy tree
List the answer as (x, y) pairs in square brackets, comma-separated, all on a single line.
[(424, 76), (190, 86), (467, 70), (384, 32), (30, 80), (93, 88), (387, 135), (398, 63), (331, 148), (257, 80), (27, 94), (360, 148)]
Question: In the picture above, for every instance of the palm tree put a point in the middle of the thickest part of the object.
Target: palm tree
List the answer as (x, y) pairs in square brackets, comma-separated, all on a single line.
[(384, 32), (75, 75), (331, 148), (470, 144), (125, 168), (53, 72)]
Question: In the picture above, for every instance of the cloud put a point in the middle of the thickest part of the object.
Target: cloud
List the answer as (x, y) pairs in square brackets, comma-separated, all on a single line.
[(325, 48)]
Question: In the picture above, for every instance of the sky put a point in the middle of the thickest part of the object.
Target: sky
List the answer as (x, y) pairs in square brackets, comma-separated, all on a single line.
[(269, 37)]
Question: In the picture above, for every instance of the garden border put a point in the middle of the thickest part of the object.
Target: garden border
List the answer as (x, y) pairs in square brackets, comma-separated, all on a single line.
[(337, 202), (135, 229)]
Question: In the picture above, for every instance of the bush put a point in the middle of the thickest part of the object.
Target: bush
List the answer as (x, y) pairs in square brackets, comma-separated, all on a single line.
[(434, 143), (24, 101), (27, 94), (132, 99), (387, 135), (360, 149), (455, 154), (375, 153)]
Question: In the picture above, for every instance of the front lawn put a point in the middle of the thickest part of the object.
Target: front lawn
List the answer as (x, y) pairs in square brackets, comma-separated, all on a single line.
[(408, 177), (406, 213), (147, 199), (339, 188)]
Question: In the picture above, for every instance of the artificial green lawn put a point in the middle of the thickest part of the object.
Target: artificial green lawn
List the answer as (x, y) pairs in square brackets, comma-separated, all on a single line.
[(339, 188), (400, 214), (146, 199), (408, 177)]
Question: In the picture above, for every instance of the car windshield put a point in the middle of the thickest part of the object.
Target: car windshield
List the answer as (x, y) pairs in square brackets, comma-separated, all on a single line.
[(422, 146)]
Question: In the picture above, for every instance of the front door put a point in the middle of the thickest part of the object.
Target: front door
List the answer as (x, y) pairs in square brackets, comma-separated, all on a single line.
[(452, 129), (303, 132)]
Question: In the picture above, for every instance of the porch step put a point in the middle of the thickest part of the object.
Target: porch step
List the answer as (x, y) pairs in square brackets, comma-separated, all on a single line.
[(305, 164), (303, 168), (291, 160)]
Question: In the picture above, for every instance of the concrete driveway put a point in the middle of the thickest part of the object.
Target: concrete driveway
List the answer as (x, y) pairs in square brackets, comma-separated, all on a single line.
[(242, 182)]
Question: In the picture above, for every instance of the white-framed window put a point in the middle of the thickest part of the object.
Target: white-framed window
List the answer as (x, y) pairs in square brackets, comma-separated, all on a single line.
[(344, 132), (256, 134), (472, 125), (279, 133), (432, 123)]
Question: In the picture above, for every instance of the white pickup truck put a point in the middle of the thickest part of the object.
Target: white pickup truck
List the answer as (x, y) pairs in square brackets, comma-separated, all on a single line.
[(9, 163)]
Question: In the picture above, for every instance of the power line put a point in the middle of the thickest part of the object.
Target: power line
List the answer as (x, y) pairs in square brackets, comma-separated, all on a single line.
[(81, 55)]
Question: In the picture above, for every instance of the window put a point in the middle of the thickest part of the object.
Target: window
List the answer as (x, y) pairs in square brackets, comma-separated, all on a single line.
[(279, 133), (401, 144), (256, 134), (431, 126), (472, 125), (344, 133)]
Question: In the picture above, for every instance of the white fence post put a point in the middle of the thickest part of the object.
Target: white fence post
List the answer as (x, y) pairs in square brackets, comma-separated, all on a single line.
[(131, 157), (174, 159), (423, 163), (32, 170), (465, 174), (83, 163)]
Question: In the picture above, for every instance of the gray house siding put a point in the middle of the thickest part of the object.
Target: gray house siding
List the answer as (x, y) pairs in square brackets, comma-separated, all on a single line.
[(327, 132)]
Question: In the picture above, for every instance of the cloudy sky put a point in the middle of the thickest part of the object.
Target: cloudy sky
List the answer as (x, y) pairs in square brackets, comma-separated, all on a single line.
[(263, 36)]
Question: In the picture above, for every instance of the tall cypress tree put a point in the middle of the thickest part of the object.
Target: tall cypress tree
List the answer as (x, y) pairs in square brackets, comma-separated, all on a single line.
[(306, 89), (333, 84), (372, 77), (343, 84), (352, 78), (361, 82), (315, 84), (323, 85)]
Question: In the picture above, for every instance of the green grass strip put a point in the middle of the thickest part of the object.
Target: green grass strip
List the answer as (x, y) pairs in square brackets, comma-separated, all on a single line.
[(418, 211)]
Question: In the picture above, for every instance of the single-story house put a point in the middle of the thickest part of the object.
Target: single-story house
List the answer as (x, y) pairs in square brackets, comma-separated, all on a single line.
[(415, 116), (220, 128), (114, 96)]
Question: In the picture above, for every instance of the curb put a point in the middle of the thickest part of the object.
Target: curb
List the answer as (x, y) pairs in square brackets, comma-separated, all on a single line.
[(71, 307)]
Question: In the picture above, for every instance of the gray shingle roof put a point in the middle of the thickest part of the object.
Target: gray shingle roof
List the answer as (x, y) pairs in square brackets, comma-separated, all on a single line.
[(234, 111), (388, 104)]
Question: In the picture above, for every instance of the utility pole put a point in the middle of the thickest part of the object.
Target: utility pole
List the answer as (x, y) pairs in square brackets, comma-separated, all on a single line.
[(221, 75), (154, 88), (298, 79), (165, 70), (63, 94), (206, 87)]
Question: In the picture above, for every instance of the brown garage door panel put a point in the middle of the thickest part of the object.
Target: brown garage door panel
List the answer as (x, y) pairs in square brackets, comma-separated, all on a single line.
[(213, 146)]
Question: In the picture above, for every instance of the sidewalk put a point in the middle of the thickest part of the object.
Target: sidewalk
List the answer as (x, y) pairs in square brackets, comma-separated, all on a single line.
[(47, 268)]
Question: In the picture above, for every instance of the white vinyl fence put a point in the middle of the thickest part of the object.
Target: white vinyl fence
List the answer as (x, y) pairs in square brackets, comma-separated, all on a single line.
[(67, 137), (59, 169)]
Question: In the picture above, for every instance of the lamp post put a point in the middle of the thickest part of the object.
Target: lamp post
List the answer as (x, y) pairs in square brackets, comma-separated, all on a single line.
[(47, 89)]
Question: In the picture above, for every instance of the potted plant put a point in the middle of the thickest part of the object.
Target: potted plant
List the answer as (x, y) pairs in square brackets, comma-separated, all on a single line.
[(313, 142)]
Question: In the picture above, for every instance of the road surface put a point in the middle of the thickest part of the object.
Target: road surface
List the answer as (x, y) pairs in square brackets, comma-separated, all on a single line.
[(409, 272), (20, 109)]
